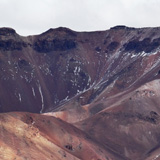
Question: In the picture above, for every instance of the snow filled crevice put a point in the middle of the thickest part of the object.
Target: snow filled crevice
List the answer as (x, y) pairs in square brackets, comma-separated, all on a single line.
[(20, 98), (33, 91), (42, 98)]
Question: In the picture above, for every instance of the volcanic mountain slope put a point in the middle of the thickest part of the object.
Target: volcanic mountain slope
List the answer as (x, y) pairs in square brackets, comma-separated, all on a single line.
[(130, 127), (104, 86), (47, 70), (31, 136)]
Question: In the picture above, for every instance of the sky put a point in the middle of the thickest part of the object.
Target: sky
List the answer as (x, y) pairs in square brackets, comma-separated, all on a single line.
[(30, 17)]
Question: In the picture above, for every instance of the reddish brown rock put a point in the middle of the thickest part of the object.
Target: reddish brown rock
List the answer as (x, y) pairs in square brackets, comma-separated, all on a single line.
[(104, 86), (33, 136)]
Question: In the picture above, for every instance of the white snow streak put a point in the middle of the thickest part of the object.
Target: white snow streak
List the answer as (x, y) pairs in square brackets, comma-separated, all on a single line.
[(33, 92), (157, 156), (40, 91), (20, 98)]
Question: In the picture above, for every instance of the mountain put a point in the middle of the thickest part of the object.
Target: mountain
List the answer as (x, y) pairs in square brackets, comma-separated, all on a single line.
[(80, 95)]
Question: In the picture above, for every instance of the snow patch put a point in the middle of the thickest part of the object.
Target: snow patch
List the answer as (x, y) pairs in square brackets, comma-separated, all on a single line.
[(133, 55), (89, 81), (9, 62), (143, 54), (66, 98)]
